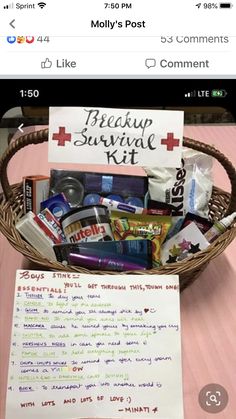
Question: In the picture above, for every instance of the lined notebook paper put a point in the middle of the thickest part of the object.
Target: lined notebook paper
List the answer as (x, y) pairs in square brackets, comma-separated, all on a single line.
[(91, 346)]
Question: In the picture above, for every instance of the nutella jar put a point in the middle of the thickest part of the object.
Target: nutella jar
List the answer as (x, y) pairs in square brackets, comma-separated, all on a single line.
[(90, 223)]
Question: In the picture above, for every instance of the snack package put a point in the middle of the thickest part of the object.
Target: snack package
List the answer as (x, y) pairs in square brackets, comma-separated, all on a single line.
[(187, 188), (158, 208), (135, 226)]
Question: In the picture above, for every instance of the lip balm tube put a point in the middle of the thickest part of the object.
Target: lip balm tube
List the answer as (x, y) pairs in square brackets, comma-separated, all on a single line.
[(106, 263), (120, 206), (115, 197), (135, 201)]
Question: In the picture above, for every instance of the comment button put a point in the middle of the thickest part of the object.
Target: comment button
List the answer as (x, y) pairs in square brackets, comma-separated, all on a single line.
[(150, 62)]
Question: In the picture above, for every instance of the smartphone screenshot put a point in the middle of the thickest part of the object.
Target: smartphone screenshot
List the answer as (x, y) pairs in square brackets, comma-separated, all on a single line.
[(117, 210)]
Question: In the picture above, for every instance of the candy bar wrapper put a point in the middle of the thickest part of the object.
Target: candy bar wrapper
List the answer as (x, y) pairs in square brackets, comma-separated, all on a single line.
[(158, 208), (187, 242), (135, 226)]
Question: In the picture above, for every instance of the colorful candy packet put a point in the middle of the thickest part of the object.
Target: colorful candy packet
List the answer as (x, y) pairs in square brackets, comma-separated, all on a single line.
[(135, 226)]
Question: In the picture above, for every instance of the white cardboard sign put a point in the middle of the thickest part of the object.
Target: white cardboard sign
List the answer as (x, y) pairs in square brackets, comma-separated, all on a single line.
[(130, 137)]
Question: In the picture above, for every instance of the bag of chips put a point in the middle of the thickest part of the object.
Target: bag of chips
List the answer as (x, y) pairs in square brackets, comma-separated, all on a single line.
[(135, 226)]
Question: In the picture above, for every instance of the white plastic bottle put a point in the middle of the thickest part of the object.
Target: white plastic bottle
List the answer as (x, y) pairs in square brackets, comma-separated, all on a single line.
[(219, 227)]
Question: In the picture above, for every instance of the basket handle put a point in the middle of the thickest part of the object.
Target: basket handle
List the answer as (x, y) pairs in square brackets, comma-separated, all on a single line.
[(227, 165), (42, 136), (36, 137)]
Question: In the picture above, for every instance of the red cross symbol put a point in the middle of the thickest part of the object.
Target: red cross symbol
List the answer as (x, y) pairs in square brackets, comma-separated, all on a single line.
[(61, 137), (170, 141)]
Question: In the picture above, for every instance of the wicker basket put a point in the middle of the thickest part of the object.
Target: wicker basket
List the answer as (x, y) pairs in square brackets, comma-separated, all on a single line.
[(221, 204)]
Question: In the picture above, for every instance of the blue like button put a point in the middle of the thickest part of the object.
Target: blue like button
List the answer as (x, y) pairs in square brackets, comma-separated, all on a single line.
[(11, 39)]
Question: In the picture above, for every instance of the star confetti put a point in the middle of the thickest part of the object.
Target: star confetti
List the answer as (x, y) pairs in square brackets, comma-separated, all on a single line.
[(183, 256), (171, 259), (185, 245), (194, 248), (175, 251)]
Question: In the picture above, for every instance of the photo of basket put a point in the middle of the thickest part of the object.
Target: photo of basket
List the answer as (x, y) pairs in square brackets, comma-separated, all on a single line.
[(221, 204)]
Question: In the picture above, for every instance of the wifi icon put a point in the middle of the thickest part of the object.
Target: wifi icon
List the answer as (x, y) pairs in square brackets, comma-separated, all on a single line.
[(41, 5)]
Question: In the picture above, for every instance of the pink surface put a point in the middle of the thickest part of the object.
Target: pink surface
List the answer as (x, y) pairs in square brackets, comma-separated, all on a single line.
[(208, 309)]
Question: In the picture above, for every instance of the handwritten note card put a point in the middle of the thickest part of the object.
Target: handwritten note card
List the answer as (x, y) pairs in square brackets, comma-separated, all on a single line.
[(115, 136), (90, 346)]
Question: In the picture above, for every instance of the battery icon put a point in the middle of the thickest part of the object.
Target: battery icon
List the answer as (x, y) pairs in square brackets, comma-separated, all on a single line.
[(218, 93), (226, 5)]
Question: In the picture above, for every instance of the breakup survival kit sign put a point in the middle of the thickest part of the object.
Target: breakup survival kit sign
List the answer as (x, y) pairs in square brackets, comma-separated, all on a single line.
[(130, 137)]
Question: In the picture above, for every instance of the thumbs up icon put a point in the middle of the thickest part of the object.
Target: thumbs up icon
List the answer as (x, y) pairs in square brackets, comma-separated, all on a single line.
[(46, 64)]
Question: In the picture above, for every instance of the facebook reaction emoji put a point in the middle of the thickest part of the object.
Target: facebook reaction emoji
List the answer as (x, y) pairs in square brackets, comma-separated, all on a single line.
[(20, 39), (11, 39), (29, 39)]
